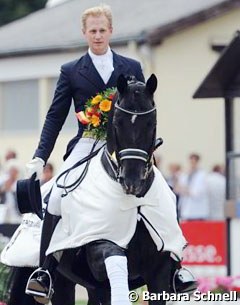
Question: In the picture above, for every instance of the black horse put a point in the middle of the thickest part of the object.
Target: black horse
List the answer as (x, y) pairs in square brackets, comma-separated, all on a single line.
[(131, 134)]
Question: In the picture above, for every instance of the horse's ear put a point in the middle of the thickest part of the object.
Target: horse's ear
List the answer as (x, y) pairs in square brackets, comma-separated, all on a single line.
[(151, 84), (121, 83)]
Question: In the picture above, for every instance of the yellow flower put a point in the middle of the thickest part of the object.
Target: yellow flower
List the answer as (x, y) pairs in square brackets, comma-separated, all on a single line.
[(95, 120), (96, 100), (105, 105)]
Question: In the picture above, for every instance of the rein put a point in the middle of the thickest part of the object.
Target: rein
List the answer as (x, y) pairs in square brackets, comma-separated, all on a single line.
[(69, 188), (113, 167)]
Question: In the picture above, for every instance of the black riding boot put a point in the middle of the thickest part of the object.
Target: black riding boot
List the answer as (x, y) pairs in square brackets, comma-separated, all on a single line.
[(40, 283), (183, 280), (49, 225)]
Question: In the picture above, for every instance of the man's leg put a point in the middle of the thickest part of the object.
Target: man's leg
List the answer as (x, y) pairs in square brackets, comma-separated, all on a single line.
[(64, 288), (183, 280), (40, 283)]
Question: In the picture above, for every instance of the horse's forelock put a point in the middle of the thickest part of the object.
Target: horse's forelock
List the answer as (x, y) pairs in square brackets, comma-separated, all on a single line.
[(136, 97)]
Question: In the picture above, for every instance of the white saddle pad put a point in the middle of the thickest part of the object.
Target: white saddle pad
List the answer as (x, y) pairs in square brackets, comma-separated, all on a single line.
[(23, 248)]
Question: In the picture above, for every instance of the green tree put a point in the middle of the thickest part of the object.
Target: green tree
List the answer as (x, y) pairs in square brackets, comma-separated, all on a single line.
[(14, 9)]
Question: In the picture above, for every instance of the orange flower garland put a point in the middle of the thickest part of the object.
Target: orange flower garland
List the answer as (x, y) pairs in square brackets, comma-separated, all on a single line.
[(95, 114)]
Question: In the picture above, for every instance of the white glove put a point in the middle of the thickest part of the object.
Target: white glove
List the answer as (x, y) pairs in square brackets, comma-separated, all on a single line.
[(35, 166)]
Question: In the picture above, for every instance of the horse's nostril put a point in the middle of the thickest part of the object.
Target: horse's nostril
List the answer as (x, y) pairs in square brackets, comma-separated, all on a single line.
[(130, 189), (127, 188)]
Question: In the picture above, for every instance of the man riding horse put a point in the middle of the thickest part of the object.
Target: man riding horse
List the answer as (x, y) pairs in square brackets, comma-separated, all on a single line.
[(79, 80)]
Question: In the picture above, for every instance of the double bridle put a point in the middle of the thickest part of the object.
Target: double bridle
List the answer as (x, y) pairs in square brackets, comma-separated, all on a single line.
[(111, 165), (130, 153)]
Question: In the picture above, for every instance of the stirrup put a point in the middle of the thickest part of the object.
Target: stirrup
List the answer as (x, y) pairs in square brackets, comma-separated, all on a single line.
[(185, 277), (40, 296)]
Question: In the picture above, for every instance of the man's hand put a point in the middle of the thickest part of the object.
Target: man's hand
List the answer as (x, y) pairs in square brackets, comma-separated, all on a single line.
[(35, 166)]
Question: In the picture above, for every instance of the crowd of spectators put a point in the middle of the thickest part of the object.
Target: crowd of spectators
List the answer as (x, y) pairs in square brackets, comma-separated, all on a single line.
[(12, 170), (200, 193)]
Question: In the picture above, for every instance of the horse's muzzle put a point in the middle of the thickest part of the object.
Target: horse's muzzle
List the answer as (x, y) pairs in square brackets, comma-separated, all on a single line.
[(132, 187)]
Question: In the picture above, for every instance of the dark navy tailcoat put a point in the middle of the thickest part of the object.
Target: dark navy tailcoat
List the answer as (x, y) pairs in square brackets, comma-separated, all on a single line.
[(78, 81)]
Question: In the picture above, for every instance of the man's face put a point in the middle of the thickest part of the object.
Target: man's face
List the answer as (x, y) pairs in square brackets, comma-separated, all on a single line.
[(97, 33)]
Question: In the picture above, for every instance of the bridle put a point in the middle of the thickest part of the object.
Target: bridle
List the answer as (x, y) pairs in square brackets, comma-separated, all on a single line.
[(130, 153), (111, 165)]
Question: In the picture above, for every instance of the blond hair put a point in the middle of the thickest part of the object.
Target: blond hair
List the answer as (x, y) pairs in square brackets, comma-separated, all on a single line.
[(102, 9)]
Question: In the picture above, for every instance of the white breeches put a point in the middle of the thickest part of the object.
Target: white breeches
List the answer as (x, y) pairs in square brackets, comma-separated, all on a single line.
[(81, 150)]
